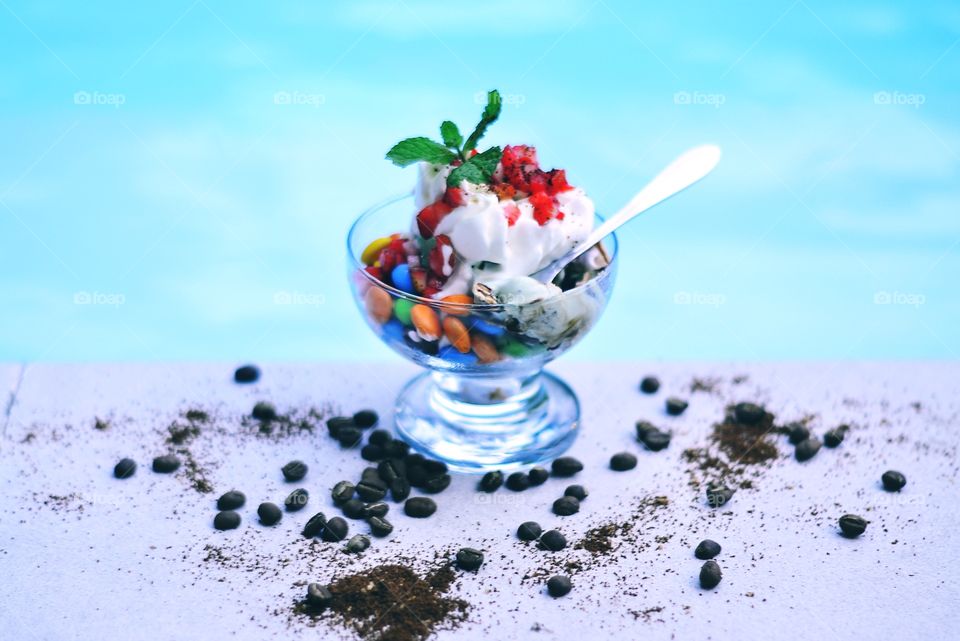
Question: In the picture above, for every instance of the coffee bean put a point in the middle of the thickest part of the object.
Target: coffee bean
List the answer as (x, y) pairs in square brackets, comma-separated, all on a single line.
[(231, 500), (676, 406), (707, 549), (623, 461), (558, 585), (264, 411), (566, 505), (125, 468), (748, 413), (436, 484), (396, 449), (852, 525), (296, 500), (226, 520), (416, 474), (413, 459), (650, 385), (365, 419), (269, 513), (529, 531), (357, 544), (379, 526), (518, 482), (491, 481), (656, 440), (719, 496), (379, 437), (371, 452), (552, 540), (337, 423), (537, 476), (419, 507), (469, 559), (566, 466), (893, 481), (807, 449), (370, 491), (353, 509), (342, 492), (246, 374), (434, 468), (833, 438), (372, 475), (797, 433), (318, 595), (576, 491), (710, 575), (294, 471), (315, 525), (392, 469), (335, 530), (166, 464), (349, 436), (376, 509), (399, 490)]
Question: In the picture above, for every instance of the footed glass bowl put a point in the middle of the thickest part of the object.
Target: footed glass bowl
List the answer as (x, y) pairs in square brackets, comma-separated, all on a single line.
[(484, 402)]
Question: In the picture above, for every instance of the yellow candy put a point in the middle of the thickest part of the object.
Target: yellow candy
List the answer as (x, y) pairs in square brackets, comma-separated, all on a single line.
[(372, 252)]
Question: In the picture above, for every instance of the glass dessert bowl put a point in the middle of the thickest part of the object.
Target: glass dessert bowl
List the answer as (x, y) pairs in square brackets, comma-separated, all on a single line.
[(484, 401)]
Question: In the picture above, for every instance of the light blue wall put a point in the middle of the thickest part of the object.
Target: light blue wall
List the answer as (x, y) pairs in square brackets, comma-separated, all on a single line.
[(185, 210)]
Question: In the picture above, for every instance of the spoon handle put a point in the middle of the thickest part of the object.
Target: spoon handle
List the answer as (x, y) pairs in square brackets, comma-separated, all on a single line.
[(688, 168)]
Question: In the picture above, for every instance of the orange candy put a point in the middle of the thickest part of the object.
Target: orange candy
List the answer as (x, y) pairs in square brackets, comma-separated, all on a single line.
[(457, 334), (379, 304), (484, 348), (455, 301), (426, 322)]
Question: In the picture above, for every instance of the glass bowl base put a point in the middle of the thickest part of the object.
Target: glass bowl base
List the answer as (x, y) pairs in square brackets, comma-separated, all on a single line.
[(478, 424)]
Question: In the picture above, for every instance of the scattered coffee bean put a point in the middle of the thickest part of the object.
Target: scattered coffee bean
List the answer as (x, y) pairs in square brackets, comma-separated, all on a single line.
[(391, 469), (396, 449), (166, 464), (852, 525), (893, 481), (807, 449), (125, 468), (231, 500), (371, 452), (566, 505), (335, 530), (246, 374), (434, 468), (370, 491), (365, 419), (566, 466), (650, 385), (576, 491), (349, 436), (676, 406), (318, 595), (419, 507), (558, 586), (707, 549), (748, 413), (416, 474), (656, 440), (342, 492), (797, 433), (537, 476), (491, 481), (269, 513), (469, 559), (353, 509), (719, 496), (226, 520), (372, 475), (315, 525), (379, 526), (337, 423), (529, 531), (552, 540), (294, 471), (518, 482), (357, 544), (296, 500), (710, 575), (623, 461), (833, 438), (264, 411), (376, 509), (436, 484), (399, 490), (380, 437)]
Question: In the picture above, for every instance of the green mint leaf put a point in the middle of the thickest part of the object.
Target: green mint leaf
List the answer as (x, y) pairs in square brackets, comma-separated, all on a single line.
[(406, 152), (451, 135), (477, 170), (490, 113)]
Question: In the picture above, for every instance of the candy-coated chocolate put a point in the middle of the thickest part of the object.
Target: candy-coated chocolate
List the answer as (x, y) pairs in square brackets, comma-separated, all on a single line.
[(457, 334), (379, 304), (426, 322), (372, 251), (401, 278), (401, 309)]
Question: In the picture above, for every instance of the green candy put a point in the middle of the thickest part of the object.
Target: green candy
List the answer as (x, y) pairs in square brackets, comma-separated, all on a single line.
[(401, 309), (516, 349)]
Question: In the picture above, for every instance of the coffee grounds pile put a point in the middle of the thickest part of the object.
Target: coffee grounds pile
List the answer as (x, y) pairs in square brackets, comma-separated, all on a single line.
[(181, 435), (292, 424), (393, 603), (734, 450)]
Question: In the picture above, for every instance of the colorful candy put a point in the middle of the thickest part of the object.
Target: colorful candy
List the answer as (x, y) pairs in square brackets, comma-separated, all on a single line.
[(426, 322), (379, 304), (484, 348), (401, 309), (401, 278), (454, 304), (457, 334), (372, 252)]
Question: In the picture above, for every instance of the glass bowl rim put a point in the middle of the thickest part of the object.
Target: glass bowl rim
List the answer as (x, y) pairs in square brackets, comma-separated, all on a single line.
[(359, 266)]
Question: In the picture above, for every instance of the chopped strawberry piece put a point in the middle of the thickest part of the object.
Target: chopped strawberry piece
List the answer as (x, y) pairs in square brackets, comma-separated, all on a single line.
[(557, 181), (544, 207), (430, 216), (560, 215), (454, 197), (442, 258), (512, 212), (505, 191), (418, 276), (430, 292), (374, 271)]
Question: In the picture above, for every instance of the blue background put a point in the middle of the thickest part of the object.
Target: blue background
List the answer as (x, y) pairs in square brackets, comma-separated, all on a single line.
[(174, 173)]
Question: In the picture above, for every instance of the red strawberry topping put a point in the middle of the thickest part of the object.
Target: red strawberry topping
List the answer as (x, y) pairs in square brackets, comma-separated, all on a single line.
[(430, 216)]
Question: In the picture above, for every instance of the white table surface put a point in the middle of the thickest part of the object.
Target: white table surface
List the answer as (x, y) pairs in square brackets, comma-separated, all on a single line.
[(124, 559)]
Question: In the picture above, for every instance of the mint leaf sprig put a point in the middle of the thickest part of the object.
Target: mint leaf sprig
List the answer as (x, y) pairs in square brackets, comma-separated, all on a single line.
[(476, 169)]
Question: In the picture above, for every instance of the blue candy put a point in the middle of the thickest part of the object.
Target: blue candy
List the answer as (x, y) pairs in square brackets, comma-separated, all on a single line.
[(394, 329), (487, 328), (450, 354), (401, 278)]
